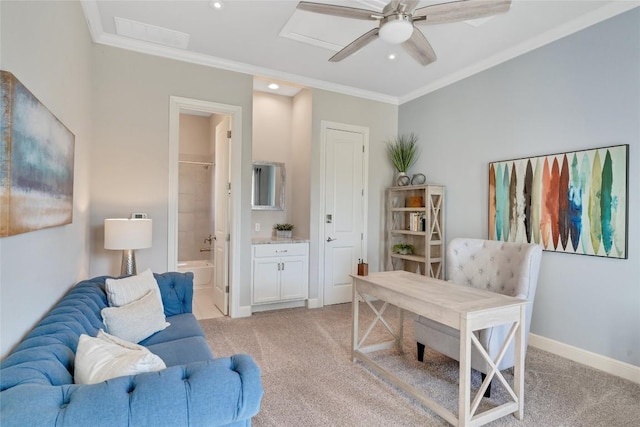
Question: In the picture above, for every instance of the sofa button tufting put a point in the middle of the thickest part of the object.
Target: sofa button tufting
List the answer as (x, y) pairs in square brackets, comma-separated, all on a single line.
[(64, 405)]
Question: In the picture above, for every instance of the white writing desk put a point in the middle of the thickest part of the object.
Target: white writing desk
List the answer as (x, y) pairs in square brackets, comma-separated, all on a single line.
[(464, 308)]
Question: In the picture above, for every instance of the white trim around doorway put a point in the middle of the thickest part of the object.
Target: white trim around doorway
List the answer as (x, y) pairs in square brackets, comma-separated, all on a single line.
[(176, 105)]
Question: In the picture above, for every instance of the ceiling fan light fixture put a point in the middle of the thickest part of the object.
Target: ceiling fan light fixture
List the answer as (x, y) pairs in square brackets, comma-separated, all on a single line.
[(396, 29), (216, 4)]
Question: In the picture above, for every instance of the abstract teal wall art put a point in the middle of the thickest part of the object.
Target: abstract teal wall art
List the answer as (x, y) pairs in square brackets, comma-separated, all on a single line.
[(36, 162), (573, 202)]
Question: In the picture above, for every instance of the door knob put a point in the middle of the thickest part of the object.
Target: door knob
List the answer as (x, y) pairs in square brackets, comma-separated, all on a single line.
[(329, 239)]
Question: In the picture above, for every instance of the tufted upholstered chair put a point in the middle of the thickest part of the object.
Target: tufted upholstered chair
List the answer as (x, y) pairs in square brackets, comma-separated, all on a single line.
[(507, 268)]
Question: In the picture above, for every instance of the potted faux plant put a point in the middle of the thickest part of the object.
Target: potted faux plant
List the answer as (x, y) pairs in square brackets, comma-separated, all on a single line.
[(283, 231), (403, 152), (403, 249)]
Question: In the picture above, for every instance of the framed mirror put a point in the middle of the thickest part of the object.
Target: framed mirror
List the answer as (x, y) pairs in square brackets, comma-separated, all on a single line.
[(268, 186)]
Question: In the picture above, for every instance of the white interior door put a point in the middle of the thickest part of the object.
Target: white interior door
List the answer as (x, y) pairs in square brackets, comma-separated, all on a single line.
[(221, 217), (344, 217)]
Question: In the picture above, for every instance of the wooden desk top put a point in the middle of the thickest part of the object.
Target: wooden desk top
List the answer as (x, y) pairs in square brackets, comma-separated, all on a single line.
[(442, 301)]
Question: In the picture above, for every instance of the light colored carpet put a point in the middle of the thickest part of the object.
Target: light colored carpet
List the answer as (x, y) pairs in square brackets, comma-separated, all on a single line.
[(309, 379)]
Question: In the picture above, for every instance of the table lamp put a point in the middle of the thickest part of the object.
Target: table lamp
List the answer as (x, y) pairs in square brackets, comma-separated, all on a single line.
[(127, 235)]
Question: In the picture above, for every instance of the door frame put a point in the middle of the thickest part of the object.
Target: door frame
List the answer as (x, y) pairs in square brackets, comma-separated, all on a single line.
[(176, 104), (324, 126)]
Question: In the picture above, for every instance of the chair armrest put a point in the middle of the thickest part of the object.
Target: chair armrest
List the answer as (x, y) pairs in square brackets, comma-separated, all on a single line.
[(209, 393), (176, 290)]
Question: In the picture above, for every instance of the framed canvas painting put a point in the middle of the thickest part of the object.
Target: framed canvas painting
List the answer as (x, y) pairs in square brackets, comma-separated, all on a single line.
[(574, 202), (36, 162)]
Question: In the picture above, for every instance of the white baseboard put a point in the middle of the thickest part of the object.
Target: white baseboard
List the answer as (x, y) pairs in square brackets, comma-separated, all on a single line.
[(585, 357), (243, 311), (277, 306), (314, 303)]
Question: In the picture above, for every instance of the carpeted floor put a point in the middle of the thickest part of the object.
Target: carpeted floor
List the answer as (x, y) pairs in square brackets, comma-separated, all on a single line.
[(309, 379)]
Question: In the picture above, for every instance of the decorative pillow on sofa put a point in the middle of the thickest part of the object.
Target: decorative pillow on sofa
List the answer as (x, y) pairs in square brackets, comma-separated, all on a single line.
[(137, 320), (105, 357), (125, 291)]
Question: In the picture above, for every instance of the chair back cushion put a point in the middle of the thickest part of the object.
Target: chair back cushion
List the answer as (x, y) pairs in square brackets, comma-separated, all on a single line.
[(502, 267)]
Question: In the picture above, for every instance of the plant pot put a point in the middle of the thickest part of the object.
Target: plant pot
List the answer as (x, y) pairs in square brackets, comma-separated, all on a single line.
[(284, 234)]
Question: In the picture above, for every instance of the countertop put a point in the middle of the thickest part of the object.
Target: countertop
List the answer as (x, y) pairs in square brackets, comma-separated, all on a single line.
[(275, 240)]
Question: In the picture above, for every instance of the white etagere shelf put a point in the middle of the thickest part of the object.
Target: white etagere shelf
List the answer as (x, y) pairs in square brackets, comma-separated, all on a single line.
[(404, 205)]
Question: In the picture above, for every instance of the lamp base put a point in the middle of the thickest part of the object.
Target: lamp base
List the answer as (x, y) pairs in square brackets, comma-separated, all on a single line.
[(128, 267)]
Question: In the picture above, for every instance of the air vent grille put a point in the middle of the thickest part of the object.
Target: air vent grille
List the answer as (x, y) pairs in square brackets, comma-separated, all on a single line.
[(151, 33)]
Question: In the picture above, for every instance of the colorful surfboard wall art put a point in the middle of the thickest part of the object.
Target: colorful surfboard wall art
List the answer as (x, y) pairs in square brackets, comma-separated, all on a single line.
[(574, 202)]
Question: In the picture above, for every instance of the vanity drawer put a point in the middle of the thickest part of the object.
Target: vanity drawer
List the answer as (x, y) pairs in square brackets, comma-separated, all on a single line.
[(279, 249)]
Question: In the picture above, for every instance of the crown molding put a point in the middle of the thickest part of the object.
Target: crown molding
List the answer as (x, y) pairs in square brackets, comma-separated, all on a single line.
[(550, 36), (99, 36), (92, 15)]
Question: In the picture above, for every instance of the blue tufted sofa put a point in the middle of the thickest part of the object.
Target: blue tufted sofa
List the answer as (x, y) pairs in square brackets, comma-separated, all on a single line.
[(196, 389)]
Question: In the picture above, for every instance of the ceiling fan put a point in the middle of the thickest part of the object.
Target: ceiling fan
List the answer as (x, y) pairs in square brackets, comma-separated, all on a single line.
[(396, 23)]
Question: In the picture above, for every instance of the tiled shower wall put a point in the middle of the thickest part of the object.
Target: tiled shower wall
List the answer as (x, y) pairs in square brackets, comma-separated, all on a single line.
[(194, 212)]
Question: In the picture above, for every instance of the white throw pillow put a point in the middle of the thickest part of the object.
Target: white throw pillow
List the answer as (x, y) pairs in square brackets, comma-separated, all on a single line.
[(136, 321), (125, 291), (105, 357)]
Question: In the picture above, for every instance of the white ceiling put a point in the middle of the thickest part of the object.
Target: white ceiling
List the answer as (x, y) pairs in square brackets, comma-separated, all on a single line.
[(271, 39)]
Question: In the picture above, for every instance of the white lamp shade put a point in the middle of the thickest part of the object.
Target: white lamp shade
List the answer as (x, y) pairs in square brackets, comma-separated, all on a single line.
[(396, 32), (123, 233)]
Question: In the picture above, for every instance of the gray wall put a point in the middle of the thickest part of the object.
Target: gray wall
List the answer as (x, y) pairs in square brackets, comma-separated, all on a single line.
[(300, 174), (50, 53), (130, 156), (580, 92)]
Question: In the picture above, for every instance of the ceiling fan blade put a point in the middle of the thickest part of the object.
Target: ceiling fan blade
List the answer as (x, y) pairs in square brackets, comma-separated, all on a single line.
[(459, 11), (419, 48), (343, 11), (355, 45)]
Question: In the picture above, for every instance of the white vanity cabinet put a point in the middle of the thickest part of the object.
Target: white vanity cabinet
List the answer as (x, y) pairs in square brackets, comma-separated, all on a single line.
[(279, 272)]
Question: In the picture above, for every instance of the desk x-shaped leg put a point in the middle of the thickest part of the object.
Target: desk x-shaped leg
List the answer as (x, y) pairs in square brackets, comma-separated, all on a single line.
[(358, 345), (468, 409)]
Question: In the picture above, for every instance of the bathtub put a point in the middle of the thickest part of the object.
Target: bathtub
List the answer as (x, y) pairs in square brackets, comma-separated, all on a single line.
[(202, 272)]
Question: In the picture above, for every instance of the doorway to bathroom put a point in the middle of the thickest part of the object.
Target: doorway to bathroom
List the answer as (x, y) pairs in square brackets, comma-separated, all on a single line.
[(202, 208), (201, 151)]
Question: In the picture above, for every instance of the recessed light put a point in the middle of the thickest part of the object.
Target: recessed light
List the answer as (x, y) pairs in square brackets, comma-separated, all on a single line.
[(216, 4), (391, 57), (273, 86)]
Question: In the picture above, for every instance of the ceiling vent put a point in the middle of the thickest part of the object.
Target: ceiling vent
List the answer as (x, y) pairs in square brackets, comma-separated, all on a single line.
[(151, 33)]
